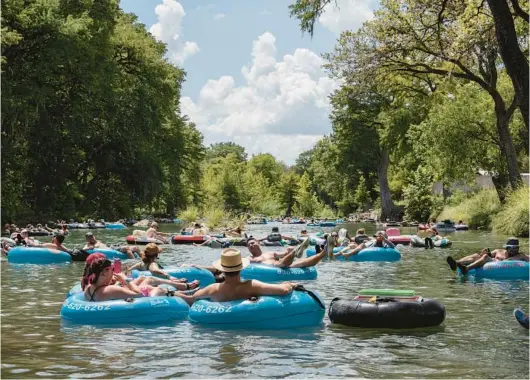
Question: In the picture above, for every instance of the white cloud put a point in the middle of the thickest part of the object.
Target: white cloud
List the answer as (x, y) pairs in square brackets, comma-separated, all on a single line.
[(281, 108), (343, 15), (219, 16), (168, 29)]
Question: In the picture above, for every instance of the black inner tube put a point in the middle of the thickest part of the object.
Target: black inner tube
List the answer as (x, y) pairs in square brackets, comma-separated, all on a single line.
[(387, 313)]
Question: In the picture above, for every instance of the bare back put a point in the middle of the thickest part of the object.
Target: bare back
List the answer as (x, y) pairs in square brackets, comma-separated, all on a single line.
[(225, 292)]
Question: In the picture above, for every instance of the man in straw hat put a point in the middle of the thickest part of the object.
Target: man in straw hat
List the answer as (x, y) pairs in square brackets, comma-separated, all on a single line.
[(286, 259), (231, 264), (511, 252)]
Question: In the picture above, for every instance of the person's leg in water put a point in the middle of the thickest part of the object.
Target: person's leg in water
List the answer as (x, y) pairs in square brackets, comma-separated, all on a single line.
[(314, 260), (453, 264), (476, 264), (429, 243)]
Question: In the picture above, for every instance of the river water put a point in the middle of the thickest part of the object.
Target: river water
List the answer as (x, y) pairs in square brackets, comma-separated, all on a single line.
[(479, 338)]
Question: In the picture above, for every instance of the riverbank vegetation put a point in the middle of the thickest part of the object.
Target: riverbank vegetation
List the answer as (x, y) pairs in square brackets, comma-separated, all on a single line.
[(91, 123)]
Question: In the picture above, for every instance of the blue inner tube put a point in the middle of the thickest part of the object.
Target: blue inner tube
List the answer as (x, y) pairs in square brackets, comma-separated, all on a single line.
[(110, 253), (34, 255), (443, 243), (298, 309), (327, 224), (498, 270), (115, 226), (313, 225), (141, 310), (77, 289), (367, 254), (269, 273), (190, 273)]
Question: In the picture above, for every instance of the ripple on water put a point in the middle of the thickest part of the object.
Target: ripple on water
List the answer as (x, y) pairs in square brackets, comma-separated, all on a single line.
[(477, 339)]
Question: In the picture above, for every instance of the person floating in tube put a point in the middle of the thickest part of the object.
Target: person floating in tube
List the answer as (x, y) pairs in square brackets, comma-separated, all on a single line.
[(276, 237), (511, 252), (381, 241), (233, 288)]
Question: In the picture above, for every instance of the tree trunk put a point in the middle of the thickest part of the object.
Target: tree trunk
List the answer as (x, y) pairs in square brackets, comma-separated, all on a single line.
[(388, 210), (500, 181), (513, 58), (506, 143)]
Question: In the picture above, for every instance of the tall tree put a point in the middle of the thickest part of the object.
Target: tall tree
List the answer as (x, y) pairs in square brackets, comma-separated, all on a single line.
[(514, 59)]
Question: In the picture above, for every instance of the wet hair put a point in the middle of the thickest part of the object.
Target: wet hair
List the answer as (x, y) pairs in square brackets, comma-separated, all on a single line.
[(250, 238), (275, 229), (60, 238), (94, 266)]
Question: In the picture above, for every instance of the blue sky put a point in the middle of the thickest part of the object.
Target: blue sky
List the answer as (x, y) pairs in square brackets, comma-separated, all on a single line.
[(252, 77)]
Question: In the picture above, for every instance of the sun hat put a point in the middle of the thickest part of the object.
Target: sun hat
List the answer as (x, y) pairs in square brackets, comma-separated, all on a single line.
[(512, 242), (152, 249), (89, 234), (231, 261)]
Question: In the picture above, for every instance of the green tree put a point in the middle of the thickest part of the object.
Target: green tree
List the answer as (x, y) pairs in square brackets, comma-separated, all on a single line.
[(362, 196), (222, 149), (307, 203), (418, 196)]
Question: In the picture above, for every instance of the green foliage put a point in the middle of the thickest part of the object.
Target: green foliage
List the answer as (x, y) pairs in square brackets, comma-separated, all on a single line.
[(326, 212), (476, 211), (418, 197), (190, 214), (89, 88), (512, 219), (307, 203), (222, 149), (362, 196), (215, 216)]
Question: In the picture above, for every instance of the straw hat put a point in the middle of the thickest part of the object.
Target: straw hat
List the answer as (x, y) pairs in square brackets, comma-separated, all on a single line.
[(231, 261), (152, 249)]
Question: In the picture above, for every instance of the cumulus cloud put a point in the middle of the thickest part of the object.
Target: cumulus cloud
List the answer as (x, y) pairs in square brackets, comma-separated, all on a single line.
[(168, 30), (343, 15), (282, 107), (219, 16)]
